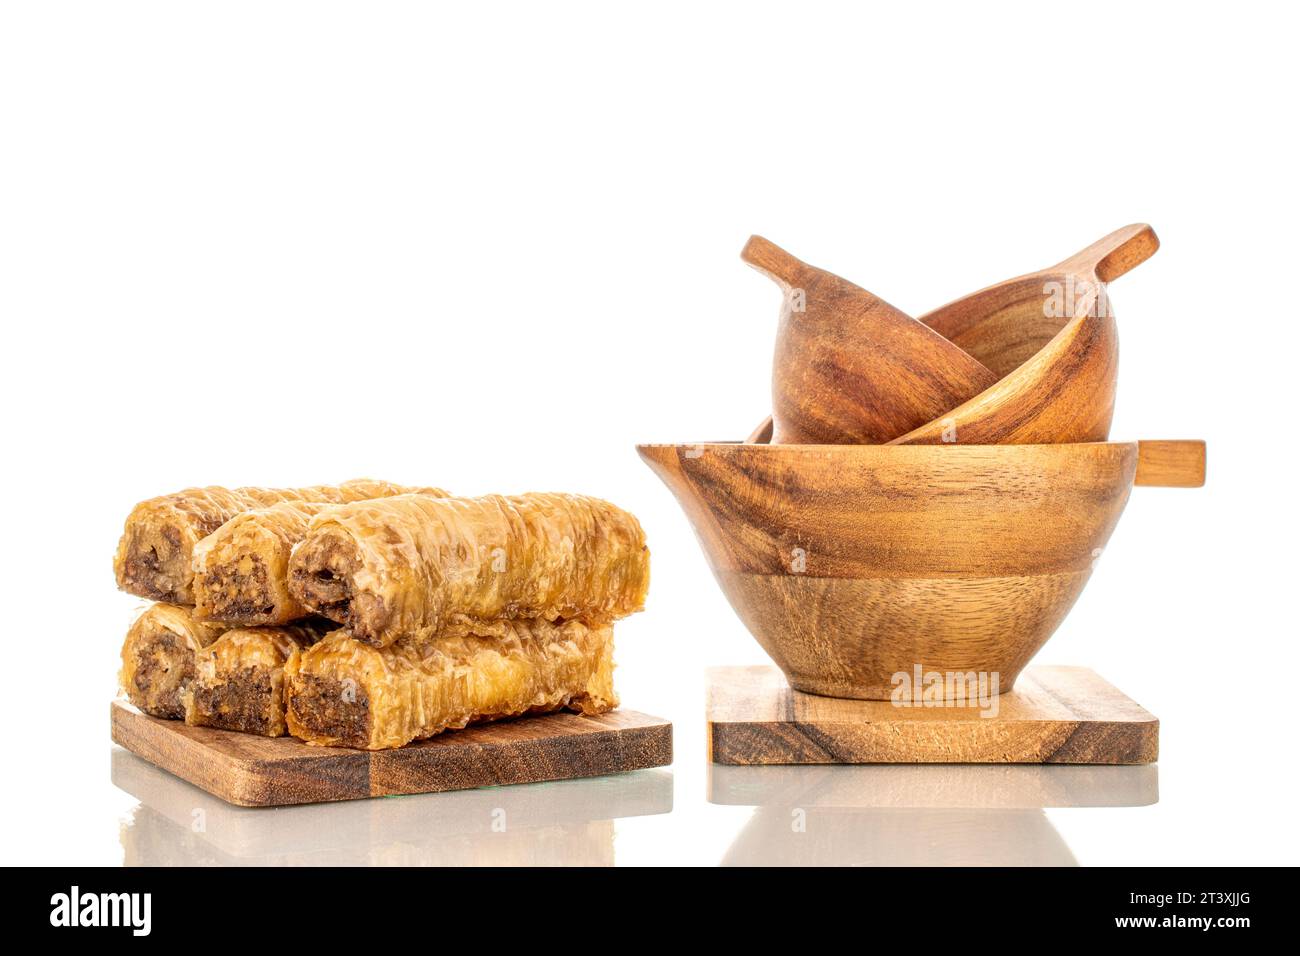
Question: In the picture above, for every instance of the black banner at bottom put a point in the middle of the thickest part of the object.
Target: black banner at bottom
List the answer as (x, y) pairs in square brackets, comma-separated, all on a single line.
[(910, 904)]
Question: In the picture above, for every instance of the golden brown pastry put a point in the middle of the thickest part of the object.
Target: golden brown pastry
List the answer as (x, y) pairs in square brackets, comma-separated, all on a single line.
[(158, 657), (344, 693), (153, 557), (241, 570), (407, 566), (239, 679)]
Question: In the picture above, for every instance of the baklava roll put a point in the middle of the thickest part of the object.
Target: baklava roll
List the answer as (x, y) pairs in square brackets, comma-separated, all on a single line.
[(158, 658), (241, 570), (154, 554), (410, 565), (344, 693), (239, 679)]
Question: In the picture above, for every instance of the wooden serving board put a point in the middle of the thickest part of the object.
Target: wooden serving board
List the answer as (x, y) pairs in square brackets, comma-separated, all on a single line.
[(1065, 715), (252, 771)]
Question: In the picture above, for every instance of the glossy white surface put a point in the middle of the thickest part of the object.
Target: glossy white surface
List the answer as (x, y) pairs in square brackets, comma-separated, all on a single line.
[(494, 249), (796, 815)]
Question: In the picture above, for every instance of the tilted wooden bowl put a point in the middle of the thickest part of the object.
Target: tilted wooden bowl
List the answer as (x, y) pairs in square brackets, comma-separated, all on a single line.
[(853, 563), (1056, 363), (849, 367), (1051, 337), (1006, 324)]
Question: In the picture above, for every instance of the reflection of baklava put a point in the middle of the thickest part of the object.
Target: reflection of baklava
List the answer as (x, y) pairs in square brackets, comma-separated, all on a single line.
[(407, 566), (239, 679), (154, 554), (241, 570), (158, 658), (344, 693)]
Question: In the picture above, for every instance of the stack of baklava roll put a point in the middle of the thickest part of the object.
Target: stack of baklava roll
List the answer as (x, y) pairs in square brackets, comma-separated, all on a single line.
[(369, 614)]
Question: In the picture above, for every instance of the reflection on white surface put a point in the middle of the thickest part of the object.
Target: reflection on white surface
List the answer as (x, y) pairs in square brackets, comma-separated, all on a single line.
[(566, 823), (831, 836), (979, 786), (926, 815)]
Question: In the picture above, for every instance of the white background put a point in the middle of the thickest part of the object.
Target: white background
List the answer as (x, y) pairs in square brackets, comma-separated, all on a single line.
[(494, 247)]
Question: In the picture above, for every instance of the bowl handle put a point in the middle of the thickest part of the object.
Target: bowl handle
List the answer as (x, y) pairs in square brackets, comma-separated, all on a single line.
[(1171, 464), (1111, 257), (775, 263), (762, 435)]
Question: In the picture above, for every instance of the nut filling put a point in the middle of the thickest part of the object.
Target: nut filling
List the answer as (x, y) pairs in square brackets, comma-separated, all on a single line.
[(331, 709), (155, 566), (322, 579), (241, 597), (163, 670), (248, 701)]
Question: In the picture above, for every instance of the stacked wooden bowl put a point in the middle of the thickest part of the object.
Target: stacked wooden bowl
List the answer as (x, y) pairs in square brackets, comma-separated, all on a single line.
[(929, 492)]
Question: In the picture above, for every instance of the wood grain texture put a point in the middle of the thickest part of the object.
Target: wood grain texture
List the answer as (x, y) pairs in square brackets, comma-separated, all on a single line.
[(259, 771), (1171, 464), (1063, 390), (1066, 715), (1007, 323), (850, 564), (849, 367), (1064, 393)]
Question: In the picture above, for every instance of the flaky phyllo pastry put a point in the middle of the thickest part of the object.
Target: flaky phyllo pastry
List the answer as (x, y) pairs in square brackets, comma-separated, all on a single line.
[(451, 611), (238, 682), (158, 657), (342, 692), (408, 566), (241, 570), (154, 555)]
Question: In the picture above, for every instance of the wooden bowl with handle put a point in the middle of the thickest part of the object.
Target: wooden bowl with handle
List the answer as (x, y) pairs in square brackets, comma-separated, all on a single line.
[(851, 564), (1058, 391), (849, 367), (1050, 339)]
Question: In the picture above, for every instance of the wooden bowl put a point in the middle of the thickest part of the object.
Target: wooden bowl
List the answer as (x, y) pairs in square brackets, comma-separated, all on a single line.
[(1005, 325), (853, 563), (849, 368), (1049, 338)]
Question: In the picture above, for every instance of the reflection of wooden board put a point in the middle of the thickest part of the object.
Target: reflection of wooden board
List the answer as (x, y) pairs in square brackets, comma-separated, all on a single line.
[(569, 822), (960, 786), (261, 771), (1054, 715)]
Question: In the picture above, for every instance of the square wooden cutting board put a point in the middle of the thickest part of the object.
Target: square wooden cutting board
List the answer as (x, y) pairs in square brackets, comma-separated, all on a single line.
[(253, 771), (1066, 715)]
